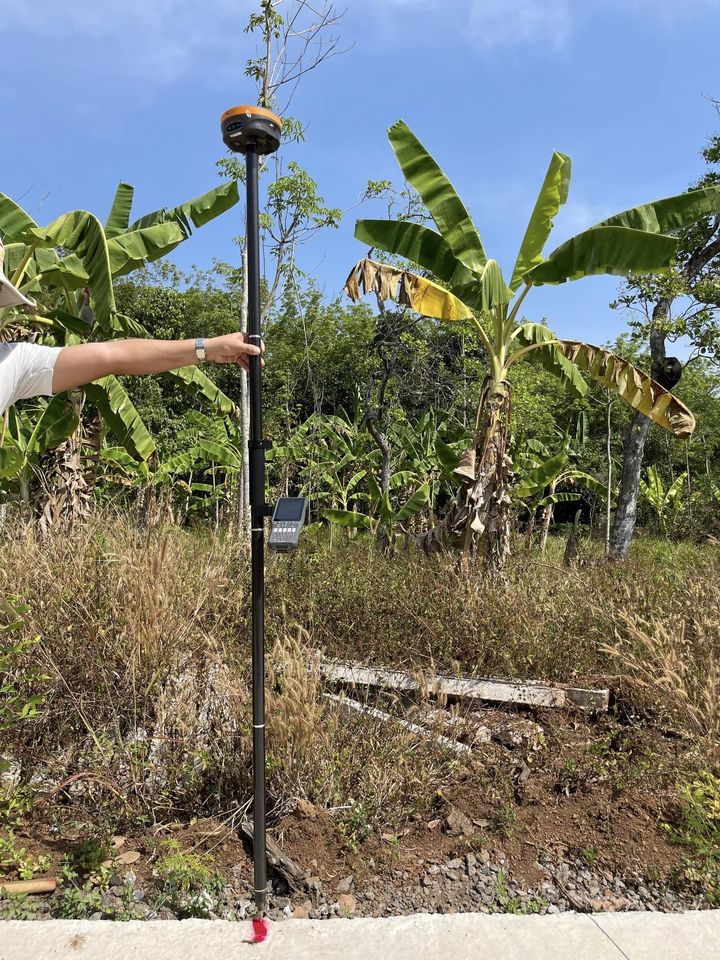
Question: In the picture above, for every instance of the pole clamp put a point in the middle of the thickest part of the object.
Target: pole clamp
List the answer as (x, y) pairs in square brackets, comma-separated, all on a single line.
[(260, 444)]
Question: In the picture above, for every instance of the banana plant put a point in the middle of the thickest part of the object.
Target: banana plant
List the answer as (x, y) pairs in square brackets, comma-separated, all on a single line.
[(468, 286), (539, 473), (661, 500), (28, 438), (385, 519), (64, 264)]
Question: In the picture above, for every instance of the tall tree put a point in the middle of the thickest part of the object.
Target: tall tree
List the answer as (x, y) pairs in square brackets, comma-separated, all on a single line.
[(290, 45), (683, 303)]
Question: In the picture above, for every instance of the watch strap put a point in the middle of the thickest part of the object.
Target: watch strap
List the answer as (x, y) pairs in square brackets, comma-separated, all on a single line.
[(200, 348)]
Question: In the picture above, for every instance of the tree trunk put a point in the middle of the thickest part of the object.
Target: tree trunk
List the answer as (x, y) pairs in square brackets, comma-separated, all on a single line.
[(608, 504), (626, 510), (530, 526), (667, 372), (478, 522), (547, 516)]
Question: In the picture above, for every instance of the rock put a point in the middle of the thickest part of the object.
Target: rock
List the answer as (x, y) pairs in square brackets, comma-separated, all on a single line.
[(306, 809), (242, 907), (458, 824), (346, 904), (455, 864), (314, 884), (344, 885), (138, 896), (302, 910)]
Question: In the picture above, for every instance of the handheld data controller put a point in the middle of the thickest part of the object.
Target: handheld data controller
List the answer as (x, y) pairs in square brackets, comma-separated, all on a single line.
[(287, 522)]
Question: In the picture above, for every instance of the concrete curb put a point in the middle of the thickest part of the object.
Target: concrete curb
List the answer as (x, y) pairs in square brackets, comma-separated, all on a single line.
[(469, 936)]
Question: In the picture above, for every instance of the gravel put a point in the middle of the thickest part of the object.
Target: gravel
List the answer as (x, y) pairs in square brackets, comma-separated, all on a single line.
[(478, 882)]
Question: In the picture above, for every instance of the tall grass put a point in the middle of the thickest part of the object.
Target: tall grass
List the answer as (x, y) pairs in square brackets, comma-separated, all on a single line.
[(145, 638)]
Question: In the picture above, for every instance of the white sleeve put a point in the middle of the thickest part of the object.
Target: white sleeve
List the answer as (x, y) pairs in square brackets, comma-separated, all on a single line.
[(26, 370)]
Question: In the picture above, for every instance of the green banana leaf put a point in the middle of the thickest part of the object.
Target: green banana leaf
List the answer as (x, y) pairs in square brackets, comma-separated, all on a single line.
[(348, 518), (67, 323), (439, 196), (119, 216), (550, 358), (182, 462), (619, 251), (133, 249), (553, 194), (402, 478), (120, 456), (670, 214), (539, 477), (447, 457), (202, 386), (11, 459), (588, 481), (218, 453), (423, 246), (81, 233), (415, 504), (66, 272), (120, 415), (637, 388), (127, 327), (15, 223), (562, 497), (56, 423), (195, 212)]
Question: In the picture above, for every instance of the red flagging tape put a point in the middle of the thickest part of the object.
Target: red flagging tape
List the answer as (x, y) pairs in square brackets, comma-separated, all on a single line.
[(260, 928)]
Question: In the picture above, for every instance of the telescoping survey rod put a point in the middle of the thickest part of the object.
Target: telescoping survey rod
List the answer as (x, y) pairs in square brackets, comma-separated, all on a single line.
[(255, 132)]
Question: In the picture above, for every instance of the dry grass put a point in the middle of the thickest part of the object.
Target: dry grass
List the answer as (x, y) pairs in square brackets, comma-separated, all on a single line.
[(675, 678), (145, 638)]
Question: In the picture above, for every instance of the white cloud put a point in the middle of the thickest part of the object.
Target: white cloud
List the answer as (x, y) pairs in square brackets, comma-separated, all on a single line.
[(491, 24), (494, 23), (152, 37)]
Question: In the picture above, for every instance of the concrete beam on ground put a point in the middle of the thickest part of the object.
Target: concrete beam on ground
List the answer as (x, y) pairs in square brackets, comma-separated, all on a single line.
[(470, 936)]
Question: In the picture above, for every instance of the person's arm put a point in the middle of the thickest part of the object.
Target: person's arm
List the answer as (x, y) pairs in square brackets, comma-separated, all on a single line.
[(85, 362)]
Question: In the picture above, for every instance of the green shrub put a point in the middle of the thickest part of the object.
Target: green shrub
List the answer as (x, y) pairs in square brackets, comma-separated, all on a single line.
[(187, 882), (699, 829)]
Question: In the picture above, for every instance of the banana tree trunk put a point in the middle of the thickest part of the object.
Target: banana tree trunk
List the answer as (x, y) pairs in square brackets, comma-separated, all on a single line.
[(66, 496), (547, 516), (530, 529), (478, 522)]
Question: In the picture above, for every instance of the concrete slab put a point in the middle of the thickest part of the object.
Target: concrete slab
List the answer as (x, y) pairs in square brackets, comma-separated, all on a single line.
[(566, 936), (670, 936)]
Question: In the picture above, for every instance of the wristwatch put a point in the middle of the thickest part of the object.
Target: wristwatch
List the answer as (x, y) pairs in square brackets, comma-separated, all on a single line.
[(200, 348)]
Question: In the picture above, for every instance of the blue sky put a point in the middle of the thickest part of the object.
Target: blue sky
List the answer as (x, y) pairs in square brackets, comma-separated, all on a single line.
[(93, 92)]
